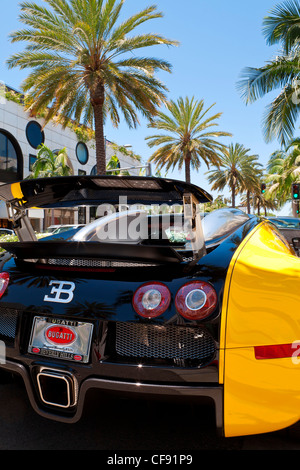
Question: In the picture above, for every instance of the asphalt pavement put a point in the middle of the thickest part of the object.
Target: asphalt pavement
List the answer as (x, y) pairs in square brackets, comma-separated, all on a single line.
[(117, 424)]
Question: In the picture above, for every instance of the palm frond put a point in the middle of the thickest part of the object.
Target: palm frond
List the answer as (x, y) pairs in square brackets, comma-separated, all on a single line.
[(77, 54), (238, 170), (183, 143), (282, 25)]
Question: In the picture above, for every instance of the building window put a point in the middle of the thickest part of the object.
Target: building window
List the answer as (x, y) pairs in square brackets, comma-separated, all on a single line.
[(94, 171), (82, 215), (82, 153), (11, 158), (93, 213), (35, 134)]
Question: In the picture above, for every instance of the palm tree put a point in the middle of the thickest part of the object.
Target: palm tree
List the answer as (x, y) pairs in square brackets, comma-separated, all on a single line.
[(83, 64), (258, 200), (253, 174), (49, 164), (283, 170), (187, 139), (282, 27), (238, 170), (262, 202)]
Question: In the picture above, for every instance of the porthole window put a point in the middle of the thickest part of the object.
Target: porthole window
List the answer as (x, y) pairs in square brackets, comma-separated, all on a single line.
[(35, 134), (82, 153), (94, 170)]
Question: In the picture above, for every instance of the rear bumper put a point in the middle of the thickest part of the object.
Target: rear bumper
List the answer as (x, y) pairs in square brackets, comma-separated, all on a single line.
[(73, 413)]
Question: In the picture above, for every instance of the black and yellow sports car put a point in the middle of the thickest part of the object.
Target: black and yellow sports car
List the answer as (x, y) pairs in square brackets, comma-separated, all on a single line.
[(150, 298)]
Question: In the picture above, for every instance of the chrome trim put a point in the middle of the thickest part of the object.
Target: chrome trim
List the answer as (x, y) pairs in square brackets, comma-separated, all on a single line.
[(71, 386)]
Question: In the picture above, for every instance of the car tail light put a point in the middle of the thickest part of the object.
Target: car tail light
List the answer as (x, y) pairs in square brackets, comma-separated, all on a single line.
[(151, 299), (196, 300), (4, 280)]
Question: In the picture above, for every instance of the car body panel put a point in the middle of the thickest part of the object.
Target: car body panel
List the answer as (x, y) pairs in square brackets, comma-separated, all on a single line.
[(261, 309), (260, 396)]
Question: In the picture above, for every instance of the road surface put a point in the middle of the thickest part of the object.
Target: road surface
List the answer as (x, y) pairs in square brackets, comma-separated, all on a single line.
[(111, 424)]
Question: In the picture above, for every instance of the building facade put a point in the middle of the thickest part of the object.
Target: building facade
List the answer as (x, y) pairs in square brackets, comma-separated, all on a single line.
[(21, 135)]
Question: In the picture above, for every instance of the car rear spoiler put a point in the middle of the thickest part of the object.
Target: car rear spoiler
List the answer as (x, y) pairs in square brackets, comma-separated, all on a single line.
[(73, 191), (45, 250)]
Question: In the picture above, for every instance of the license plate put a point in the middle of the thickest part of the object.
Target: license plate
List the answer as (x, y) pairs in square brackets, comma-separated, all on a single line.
[(61, 339)]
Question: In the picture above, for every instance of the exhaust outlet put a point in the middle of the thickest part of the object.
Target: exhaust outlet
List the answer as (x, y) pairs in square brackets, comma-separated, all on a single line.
[(57, 388)]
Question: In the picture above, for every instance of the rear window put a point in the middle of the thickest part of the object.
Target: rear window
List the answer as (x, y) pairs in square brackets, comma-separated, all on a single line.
[(138, 227)]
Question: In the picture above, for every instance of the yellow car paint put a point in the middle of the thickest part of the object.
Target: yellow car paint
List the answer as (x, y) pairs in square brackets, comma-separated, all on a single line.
[(16, 191), (260, 307)]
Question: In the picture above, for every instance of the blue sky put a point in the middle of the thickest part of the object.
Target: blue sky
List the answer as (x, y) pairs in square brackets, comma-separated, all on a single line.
[(217, 40)]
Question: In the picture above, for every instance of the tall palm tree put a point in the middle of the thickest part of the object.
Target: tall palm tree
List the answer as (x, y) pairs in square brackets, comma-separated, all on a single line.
[(187, 139), (281, 27), (253, 179), (262, 202), (238, 170), (258, 200), (283, 170), (83, 64)]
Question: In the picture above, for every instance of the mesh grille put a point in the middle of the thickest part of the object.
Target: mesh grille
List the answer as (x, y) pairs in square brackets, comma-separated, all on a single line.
[(163, 342), (95, 263), (8, 322)]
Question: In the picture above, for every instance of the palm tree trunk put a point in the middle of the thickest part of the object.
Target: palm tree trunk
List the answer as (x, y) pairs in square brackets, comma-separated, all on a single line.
[(97, 100), (248, 202), (233, 195), (187, 163)]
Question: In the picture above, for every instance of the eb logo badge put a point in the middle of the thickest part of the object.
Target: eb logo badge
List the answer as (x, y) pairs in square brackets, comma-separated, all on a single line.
[(63, 293)]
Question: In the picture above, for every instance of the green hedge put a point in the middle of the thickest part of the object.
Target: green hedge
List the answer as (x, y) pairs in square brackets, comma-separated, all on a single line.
[(14, 238)]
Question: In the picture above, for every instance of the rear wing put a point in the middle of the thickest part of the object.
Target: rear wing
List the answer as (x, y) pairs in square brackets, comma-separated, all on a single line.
[(72, 191), (47, 250), (62, 192)]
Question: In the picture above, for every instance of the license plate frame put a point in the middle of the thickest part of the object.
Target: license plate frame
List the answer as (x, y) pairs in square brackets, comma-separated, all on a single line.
[(76, 351)]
